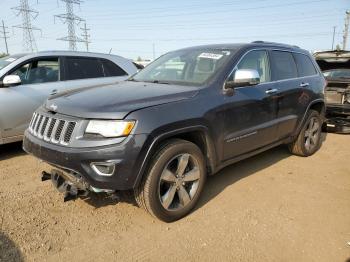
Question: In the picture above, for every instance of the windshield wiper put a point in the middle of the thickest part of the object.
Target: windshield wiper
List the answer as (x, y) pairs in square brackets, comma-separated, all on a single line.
[(159, 82)]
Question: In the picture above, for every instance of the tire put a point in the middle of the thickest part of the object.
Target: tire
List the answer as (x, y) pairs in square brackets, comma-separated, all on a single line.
[(178, 165), (309, 139)]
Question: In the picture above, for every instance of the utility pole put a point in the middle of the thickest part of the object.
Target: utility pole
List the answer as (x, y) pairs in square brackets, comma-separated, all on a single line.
[(4, 35), (346, 30), (71, 20), (154, 51), (86, 36), (334, 27), (27, 14)]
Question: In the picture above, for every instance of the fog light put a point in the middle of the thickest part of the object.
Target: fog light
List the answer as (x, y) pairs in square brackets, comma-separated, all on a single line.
[(103, 168)]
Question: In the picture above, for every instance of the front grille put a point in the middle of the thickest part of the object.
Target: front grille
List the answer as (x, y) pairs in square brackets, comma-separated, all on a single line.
[(52, 129)]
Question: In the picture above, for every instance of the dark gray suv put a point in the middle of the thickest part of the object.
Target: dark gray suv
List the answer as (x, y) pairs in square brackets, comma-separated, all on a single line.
[(185, 116)]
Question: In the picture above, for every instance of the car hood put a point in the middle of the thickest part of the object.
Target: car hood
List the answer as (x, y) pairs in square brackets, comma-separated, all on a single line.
[(116, 101)]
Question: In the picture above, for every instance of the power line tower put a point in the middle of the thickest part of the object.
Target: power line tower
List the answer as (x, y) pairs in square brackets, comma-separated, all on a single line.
[(86, 36), (346, 30), (27, 14), (71, 20), (4, 35)]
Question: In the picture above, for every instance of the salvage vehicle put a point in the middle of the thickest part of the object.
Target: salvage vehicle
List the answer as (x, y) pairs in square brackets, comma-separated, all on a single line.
[(26, 80), (336, 69), (186, 115)]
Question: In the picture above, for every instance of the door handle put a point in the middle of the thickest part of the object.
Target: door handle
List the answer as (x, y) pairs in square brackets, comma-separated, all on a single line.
[(304, 84), (53, 92), (271, 91)]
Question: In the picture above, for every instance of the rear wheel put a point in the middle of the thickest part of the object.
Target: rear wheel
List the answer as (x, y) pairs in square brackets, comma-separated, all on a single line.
[(309, 138), (174, 181)]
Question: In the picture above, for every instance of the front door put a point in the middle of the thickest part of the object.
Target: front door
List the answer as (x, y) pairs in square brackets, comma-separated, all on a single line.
[(39, 79), (250, 114)]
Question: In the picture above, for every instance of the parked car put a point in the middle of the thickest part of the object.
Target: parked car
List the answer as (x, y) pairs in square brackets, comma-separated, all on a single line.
[(26, 80), (185, 116), (336, 69)]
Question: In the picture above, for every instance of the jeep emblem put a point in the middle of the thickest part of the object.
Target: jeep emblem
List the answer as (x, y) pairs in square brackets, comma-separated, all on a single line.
[(53, 107)]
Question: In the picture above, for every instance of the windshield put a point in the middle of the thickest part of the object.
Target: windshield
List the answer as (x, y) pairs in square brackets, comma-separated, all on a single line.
[(189, 67), (337, 73), (6, 60)]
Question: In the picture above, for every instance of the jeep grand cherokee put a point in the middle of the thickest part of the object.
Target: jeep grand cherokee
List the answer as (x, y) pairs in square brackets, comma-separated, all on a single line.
[(185, 116)]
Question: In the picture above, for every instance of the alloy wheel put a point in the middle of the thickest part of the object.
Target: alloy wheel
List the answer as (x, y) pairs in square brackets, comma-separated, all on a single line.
[(179, 182), (311, 136)]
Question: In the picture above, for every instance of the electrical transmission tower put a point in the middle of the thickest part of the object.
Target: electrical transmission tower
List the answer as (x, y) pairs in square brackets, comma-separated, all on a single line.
[(346, 30), (4, 35), (86, 36), (27, 14), (71, 20)]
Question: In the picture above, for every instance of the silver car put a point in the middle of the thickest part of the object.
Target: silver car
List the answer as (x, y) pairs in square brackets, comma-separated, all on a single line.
[(26, 80)]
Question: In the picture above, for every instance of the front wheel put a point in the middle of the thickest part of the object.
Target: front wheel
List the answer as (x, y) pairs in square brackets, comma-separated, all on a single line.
[(174, 181), (309, 138)]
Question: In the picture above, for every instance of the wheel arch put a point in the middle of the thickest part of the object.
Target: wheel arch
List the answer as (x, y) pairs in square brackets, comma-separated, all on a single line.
[(318, 105), (199, 135)]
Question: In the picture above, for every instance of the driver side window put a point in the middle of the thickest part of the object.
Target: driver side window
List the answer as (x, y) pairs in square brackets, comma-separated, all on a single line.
[(256, 60), (38, 71)]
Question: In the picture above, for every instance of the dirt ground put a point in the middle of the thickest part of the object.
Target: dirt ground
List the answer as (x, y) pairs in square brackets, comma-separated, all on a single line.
[(272, 207)]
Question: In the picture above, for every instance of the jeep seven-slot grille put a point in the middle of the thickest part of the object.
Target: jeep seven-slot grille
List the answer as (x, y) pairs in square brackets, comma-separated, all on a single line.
[(54, 130)]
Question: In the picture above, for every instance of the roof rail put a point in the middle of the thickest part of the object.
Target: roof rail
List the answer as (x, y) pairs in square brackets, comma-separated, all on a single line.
[(273, 43)]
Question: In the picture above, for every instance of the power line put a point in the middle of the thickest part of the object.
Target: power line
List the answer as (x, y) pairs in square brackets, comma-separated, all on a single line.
[(200, 13), (86, 36), (71, 20), (4, 35), (28, 14)]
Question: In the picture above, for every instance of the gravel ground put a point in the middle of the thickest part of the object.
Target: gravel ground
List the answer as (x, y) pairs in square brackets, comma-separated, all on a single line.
[(271, 207)]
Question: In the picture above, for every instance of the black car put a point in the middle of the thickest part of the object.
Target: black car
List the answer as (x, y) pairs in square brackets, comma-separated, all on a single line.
[(336, 69), (185, 116)]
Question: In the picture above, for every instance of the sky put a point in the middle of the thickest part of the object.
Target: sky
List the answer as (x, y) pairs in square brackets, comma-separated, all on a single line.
[(133, 28)]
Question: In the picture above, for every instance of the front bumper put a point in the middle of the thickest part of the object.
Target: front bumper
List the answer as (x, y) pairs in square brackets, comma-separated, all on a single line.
[(127, 156)]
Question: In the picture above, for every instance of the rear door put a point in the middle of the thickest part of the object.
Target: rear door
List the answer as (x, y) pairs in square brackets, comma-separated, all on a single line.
[(17, 103), (89, 71), (291, 99), (250, 114)]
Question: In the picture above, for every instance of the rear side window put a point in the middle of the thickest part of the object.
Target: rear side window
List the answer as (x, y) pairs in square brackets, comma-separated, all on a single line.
[(304, 64), (111, 69), (82, 68), (283, 65)]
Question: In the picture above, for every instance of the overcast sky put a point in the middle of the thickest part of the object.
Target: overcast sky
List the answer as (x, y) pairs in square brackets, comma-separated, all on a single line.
[(131, 27)]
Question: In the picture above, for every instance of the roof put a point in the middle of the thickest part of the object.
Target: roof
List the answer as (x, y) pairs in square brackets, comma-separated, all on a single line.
[(66, 53), (231, 46)]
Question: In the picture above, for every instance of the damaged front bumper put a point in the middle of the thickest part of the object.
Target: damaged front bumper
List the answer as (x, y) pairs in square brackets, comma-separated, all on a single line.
[(70, 184)]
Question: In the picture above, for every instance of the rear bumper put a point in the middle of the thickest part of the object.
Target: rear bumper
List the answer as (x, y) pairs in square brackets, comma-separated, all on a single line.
[(126, 155)]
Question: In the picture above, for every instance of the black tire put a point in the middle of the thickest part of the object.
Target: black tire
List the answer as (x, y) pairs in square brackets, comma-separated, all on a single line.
[(300, 147), (149, 193)]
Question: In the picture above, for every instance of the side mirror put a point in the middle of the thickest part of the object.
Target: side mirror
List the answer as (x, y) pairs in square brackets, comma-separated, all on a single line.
[(11, 80), (243, 77)]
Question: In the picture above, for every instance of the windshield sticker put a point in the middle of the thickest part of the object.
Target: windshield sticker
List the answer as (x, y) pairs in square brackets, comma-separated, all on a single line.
[(210, 56), (10, 59)]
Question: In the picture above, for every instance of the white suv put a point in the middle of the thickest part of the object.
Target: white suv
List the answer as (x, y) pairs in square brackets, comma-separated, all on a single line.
[(26, 80)]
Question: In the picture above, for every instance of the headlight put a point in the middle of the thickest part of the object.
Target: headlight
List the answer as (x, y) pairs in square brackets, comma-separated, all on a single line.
[(110, 128)]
